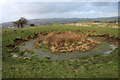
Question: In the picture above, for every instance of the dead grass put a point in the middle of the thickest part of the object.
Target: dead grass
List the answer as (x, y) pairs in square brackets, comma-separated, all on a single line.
[(64, 37), (68, 42), (98, 24)]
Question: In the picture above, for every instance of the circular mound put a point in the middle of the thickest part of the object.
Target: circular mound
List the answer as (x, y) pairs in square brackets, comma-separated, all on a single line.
[(66, 42)]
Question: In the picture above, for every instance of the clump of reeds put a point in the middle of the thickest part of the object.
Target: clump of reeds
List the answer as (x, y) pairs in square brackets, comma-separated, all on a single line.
[(68, 42), (64, 37)]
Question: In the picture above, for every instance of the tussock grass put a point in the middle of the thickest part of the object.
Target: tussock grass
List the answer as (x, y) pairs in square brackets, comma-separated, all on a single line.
[(68, 37), (68, 42)]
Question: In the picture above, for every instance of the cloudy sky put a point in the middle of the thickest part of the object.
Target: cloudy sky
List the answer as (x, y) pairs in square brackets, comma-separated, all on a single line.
[(31, 10)]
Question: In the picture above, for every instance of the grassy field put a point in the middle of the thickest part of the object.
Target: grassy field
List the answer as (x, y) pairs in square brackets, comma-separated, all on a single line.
[(86, 67), (0, 53)]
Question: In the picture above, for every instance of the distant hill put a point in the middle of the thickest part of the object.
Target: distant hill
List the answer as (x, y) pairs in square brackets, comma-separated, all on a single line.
[(50, 21)]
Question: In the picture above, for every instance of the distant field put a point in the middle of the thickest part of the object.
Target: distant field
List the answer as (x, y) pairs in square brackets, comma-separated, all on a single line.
[(50, 21), (86, 67)]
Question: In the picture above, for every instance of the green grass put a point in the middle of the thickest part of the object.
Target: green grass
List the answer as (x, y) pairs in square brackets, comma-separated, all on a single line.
[(89, 67), (85, 67), (0, 53)]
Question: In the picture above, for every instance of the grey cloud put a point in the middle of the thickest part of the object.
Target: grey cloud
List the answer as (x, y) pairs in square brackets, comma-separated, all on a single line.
[(44, 8), (58, 9), (103, 4), (100, 4)]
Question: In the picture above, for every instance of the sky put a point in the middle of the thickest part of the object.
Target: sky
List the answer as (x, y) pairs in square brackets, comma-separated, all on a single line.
[(11, 11)]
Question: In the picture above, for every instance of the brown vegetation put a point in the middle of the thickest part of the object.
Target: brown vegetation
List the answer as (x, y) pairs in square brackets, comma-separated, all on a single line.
[(68, 42), (98, 24)]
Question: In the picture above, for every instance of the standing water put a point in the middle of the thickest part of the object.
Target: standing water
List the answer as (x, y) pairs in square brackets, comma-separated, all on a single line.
[(103, 49)]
